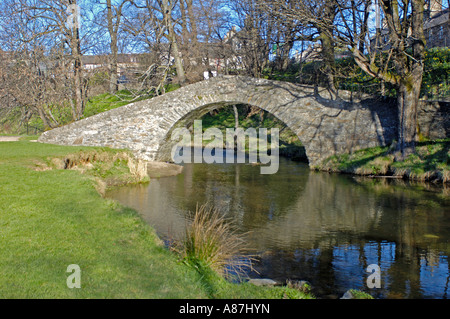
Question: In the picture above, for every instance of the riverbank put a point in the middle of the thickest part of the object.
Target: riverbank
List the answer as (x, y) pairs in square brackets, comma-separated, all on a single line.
[(430, 163), (54, 217)]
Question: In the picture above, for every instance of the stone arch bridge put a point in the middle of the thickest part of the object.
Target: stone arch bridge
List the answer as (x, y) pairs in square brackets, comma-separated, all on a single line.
[(325, 127)]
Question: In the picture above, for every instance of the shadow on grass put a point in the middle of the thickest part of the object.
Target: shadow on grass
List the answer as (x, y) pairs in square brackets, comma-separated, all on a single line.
[(439, 157), (430, 162), (348, 163)]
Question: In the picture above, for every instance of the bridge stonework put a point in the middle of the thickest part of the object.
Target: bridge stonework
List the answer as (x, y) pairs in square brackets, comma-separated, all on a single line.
[(325, 127)]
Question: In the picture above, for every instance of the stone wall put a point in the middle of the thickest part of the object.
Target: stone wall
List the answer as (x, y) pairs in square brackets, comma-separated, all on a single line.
[(325, 127), (434, 119)]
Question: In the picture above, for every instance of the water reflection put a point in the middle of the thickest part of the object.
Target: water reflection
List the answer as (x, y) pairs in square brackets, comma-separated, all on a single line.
[(314, 226)]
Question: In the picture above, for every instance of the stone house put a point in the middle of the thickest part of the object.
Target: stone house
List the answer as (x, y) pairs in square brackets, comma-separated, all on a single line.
[(437, 29)]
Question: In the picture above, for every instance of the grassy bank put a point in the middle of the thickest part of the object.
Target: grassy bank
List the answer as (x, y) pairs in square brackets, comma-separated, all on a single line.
[(430, 163), (52, 217)]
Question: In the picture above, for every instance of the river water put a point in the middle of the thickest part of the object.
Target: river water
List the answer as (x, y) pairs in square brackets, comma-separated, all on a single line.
[(314, 226)]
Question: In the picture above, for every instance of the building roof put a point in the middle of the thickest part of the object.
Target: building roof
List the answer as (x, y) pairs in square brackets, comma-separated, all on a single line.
[(103, 59), (439, 18)]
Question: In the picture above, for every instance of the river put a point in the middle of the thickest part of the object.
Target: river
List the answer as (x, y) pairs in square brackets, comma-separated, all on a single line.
[(314, 226)]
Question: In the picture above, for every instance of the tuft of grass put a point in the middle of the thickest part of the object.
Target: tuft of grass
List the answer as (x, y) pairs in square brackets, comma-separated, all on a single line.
[(217, 252), (211, 241)]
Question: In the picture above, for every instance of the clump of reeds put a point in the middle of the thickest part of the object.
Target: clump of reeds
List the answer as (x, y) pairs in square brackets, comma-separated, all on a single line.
[(212, 241)]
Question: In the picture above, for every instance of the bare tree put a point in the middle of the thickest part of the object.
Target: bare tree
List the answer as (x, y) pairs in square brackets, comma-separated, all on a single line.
[(114, 20), (40, 73), (189, 37), (167, 7), (313, 20), (253, 40), (397, 58), (145, 28), (155, 22), (58, 22), (39, 82), (200, 24)]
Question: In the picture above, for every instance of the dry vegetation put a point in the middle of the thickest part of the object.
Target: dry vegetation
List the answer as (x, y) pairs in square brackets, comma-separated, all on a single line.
[(211, 241), (108, 168)]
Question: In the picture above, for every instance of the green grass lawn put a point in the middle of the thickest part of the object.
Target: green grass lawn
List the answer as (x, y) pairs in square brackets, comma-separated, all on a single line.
[(50, 219)]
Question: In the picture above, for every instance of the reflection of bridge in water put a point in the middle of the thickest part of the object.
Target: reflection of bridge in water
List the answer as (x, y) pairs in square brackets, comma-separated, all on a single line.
[(321, 227)]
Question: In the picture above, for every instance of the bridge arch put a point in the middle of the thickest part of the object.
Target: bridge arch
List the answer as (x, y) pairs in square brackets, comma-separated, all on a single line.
[(165, 149), (324, 127)]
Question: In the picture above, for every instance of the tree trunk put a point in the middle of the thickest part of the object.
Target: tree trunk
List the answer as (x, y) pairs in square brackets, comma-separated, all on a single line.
[(329, 61), (112, 29), (79, 102), (47, 123), (113, 85), (77, 70), (194, 32), (167, 11), (286, 58), (410, 85), (178, 61), (407, 102), (236, 117), (186, 47)]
